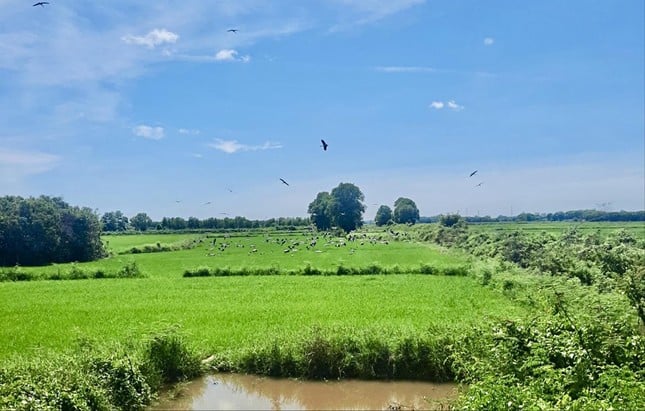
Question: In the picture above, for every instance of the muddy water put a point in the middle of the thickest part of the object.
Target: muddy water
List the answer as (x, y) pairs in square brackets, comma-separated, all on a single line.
[(249, 392)]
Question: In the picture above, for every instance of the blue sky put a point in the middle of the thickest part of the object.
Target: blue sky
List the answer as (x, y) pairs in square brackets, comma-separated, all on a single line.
[(133, 105)]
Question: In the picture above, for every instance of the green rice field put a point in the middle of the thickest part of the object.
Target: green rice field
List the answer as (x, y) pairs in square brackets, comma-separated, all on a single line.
[(227, 312)]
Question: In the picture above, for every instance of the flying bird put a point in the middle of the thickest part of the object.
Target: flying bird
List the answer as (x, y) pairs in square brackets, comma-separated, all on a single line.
[(177, 201), (208, 202), (324, 144), (232, 30), (480, 184), (40, 3), (473, 173), (285, 183)]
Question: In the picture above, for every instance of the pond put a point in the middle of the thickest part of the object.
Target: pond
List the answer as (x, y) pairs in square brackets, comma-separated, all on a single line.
[(251, 392)]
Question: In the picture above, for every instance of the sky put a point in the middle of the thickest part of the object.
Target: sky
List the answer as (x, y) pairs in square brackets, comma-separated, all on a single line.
[(157, 107)]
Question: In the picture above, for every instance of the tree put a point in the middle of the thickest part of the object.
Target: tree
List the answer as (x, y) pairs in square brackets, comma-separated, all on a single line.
[(383, 215), (141, 222), (405, 211), (114, 221), (450, 220), (346, 208), (37, 231), (320, 211)]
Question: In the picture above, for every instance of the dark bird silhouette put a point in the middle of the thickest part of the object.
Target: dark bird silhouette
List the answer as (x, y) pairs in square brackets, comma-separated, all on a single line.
[(206, 203), (177, 201), (229, 190), (232, 30), (324, 144), (285, 183), (480, 184), (40, 3), (473, 173)]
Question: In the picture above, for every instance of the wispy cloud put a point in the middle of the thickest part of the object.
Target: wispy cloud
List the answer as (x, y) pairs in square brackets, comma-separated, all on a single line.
[(189, 131), (149, 132), (405, 69), (231, 55), (488, 41), (451, 104), (232, 146), (26, 162), (152, 39), (454, 106), (361, 12)]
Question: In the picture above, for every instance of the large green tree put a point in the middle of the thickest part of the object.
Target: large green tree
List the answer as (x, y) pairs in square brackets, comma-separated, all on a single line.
[(114, 221), (141, 222), (347, 208), (319, 209), (405, 211), (37, 231), (383, 215)]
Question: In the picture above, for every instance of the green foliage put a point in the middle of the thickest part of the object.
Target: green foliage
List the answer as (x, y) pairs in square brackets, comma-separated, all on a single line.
[(346, 208), (556, 360), (449, 220), (82, 381), (141, 222), (340, 270), (320, 211), (114, 221), (351, 353), (405, 211), (636, 289), (383, 216), (167, 359), (43, 230), (73, 272)]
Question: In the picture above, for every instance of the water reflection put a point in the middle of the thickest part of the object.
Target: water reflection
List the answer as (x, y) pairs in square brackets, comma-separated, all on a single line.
[(250, 392)]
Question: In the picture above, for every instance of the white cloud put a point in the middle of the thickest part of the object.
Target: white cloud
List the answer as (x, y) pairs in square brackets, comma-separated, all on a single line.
[(152, 133), (488, 41), (405, 69), (451, 104), (232, 146), (231, 55), (189, 131), (454, 106), (14, 163), (152, 39)]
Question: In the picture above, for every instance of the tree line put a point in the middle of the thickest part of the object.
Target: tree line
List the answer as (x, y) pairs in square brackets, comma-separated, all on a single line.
[(116, 221), (43, 230), (572, 215)]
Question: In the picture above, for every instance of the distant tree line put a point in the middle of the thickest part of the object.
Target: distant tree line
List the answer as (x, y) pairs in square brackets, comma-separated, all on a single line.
[(573, 215), (116, 221), (43, 230)]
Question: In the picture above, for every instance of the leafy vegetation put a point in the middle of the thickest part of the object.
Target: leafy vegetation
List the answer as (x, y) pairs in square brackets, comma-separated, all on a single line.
[(43, 230), (98, 378), (527, 319)]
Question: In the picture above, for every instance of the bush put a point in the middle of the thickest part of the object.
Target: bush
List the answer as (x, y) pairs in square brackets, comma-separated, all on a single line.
[(166, 359)]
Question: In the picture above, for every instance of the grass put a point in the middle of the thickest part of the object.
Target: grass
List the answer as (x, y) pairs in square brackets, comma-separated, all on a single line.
[(223, 312), (327, 254), (605, 228)]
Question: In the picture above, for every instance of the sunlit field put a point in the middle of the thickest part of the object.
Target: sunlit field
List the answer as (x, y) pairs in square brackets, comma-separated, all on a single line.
[(603, 228), (282, 251)]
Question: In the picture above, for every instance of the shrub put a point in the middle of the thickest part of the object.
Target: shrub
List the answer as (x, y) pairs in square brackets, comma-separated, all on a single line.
[(166, 359)]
